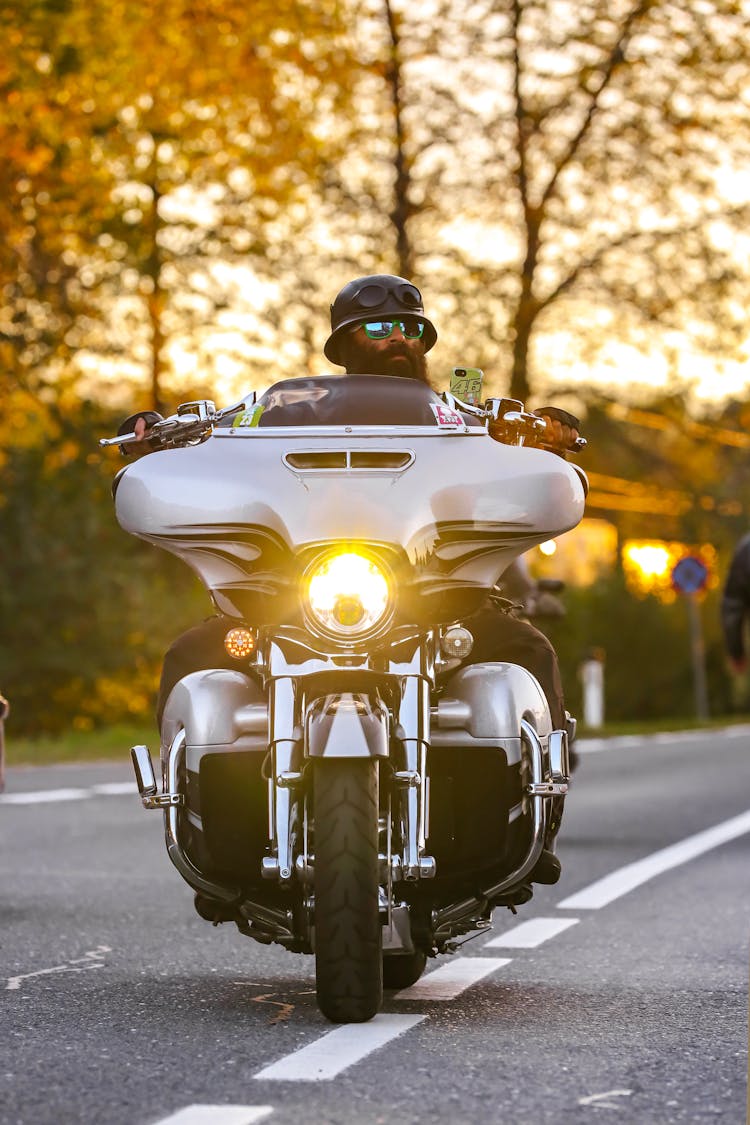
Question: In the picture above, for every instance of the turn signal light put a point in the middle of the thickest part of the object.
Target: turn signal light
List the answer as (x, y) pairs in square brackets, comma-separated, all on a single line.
[(456, 643), (240, 643)]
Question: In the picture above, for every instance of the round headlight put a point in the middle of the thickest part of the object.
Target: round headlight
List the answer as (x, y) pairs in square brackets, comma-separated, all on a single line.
[(347, 595)]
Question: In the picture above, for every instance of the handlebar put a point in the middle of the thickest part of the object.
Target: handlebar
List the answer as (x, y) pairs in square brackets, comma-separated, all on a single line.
[(509, 420), (194, 422)]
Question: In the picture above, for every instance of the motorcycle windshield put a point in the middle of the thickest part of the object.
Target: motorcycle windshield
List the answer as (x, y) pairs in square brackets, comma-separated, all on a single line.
[(349, 400), (378, 461)]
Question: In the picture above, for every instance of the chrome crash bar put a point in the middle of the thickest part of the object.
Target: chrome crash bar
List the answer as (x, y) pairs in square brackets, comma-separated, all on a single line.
[(539, 790), (170, 801)]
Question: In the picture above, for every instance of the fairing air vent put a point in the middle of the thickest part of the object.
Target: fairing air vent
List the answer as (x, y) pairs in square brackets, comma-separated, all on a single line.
[(349, 460)]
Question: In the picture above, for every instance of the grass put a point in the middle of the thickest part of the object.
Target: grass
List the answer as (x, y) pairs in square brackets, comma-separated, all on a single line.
[(658, 726), (110, 744), (113, 743)]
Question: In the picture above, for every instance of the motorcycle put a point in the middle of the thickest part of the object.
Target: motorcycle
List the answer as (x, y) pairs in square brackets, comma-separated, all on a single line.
[(352, 789)]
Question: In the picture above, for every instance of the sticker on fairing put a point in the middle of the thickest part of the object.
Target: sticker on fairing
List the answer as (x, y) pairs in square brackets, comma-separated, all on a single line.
[(248, 418), (446, 418)]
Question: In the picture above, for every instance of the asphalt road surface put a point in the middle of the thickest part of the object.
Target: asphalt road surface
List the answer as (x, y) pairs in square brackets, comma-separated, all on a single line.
[(618, 995)]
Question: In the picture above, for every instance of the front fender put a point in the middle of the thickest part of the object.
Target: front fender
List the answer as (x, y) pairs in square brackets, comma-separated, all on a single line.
[(347, 725)]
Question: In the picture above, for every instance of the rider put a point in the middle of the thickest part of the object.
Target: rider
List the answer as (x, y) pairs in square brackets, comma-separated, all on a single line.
[(367, 300), (355, 343), (735, 606)]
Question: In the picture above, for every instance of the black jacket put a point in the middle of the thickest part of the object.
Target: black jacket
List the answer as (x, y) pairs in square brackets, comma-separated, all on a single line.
[(735, 601)]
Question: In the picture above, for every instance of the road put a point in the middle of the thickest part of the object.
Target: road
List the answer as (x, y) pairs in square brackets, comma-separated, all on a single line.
[(625, 1001)]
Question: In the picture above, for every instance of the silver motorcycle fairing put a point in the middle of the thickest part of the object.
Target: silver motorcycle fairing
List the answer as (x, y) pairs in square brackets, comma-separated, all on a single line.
[(346, 725), (458, 508)]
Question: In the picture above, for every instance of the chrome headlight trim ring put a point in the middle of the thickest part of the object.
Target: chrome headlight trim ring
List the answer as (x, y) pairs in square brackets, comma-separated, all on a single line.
[(348, 581)]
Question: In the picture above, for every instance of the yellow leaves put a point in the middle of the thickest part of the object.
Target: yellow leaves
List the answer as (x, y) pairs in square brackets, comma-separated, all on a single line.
[(61, 455), (128, 695)]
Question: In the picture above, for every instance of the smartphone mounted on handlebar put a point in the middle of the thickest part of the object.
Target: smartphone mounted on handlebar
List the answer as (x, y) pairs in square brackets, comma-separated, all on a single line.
[(466, 384)]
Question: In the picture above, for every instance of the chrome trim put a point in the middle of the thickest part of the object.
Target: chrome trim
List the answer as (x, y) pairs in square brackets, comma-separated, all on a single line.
[(145, 777), (354, 636), (257, 433), (412, 729), (284, 739), (559, 758), (533, 742), (189, 872)]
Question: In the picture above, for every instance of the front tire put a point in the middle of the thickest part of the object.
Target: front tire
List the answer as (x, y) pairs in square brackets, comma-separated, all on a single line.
[(403, 969), (348, 934)]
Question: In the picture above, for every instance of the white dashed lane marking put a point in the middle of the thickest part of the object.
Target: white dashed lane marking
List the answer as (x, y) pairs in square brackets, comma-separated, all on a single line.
[(451, 979), (218, 1115), (528, 935), (339, 1049)]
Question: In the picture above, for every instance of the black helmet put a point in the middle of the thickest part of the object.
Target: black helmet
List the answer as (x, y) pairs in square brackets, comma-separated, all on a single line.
[(381, 295)]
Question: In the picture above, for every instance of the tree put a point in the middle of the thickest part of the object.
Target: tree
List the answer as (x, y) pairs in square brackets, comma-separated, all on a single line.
[(87, 611), (146, 143), (570, 176)]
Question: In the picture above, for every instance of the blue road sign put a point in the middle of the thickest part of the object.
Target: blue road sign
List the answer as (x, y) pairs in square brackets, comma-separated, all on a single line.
[(689, 575)]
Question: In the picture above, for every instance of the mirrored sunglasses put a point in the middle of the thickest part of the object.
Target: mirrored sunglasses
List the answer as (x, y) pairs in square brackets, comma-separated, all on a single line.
[(411, 328)]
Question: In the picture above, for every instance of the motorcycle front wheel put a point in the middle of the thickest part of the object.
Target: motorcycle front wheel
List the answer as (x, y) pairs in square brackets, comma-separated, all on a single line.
[(348, 935), (402, 969)]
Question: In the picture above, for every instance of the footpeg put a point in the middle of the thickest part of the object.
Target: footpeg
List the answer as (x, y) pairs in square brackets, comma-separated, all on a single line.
[(547, 789), (145, 779)]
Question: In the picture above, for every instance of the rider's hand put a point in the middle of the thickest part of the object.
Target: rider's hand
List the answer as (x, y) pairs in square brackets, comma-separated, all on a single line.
[(140, 425), (559, 436), (562, 428)]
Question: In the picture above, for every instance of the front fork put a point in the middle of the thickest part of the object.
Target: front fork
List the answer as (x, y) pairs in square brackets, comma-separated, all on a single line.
[(285, 776), (286, 756), (413, 734)]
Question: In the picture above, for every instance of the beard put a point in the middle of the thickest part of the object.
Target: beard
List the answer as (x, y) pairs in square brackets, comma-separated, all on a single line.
[(398, 360)]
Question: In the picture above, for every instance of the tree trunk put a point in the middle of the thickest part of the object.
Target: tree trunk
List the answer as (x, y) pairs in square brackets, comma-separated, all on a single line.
[(156, 300), (401, 210)]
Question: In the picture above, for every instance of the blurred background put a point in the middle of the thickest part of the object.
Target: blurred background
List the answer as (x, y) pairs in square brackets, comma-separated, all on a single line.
[(185, 185)]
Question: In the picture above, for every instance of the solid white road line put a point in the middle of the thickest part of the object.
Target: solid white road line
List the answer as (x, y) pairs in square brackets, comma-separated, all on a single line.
[(628, 878), (47, 796), (43, 796), (452, 978), (339, 1049), (218, 1115), (528, 935)]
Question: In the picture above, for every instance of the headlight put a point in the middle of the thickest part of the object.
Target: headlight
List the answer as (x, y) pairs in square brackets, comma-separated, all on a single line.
[(347, 595)]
